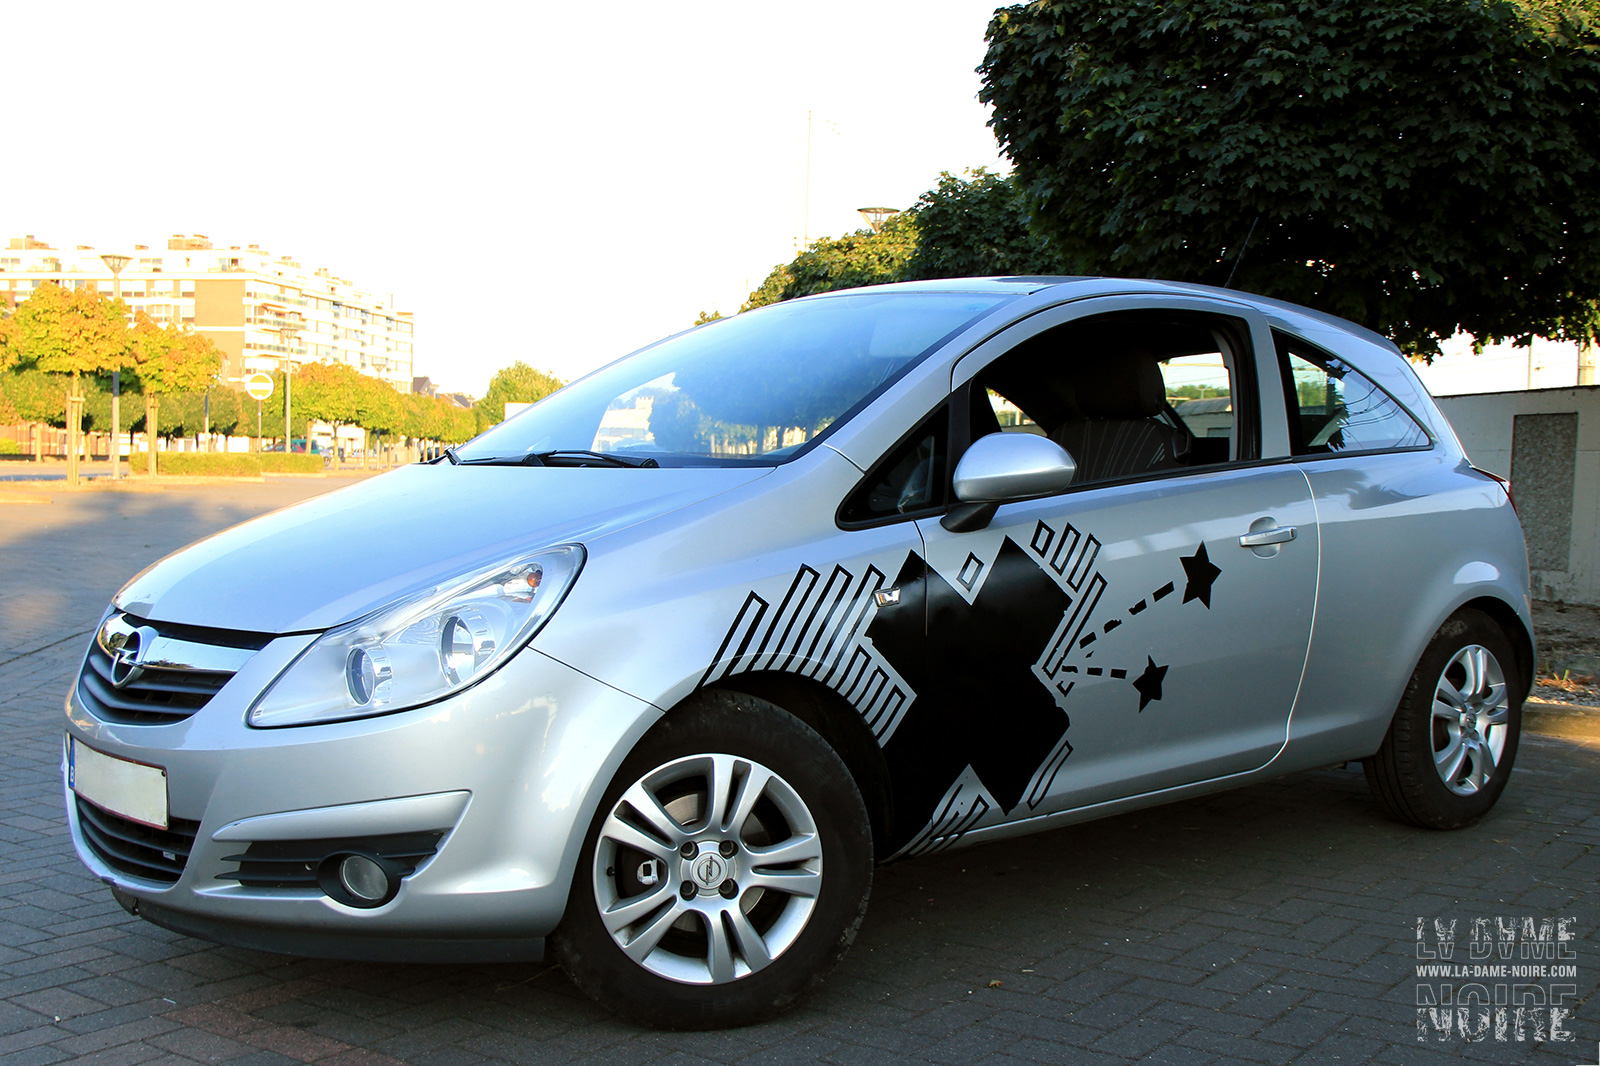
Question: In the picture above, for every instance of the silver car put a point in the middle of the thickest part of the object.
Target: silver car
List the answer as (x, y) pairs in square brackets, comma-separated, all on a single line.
[(658, 670)]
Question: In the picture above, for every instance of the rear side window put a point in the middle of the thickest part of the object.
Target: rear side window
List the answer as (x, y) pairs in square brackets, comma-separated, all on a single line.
[(1335, 409)]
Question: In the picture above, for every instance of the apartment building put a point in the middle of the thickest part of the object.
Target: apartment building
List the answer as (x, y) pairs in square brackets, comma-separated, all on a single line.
[(257, 307)]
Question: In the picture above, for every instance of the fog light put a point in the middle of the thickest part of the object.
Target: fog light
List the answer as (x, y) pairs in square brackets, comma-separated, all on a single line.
[(363, 878), (358, 880)]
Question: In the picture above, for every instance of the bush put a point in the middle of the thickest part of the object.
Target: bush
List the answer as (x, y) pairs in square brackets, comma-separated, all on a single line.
[(211, 464), (279, 463), (9, 447)]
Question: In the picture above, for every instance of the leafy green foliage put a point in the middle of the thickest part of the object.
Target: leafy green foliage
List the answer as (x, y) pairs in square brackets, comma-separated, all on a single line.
[(293, 463), (34, 396), (517, 383), (184, 414), (65, 331), (860, 258), (975, 227), (329, 392), (169, 359), (212, 464), (1419, 166), (978, 225)]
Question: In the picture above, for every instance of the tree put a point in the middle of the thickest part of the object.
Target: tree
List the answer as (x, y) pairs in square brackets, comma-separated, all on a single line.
[(381, 412), (517, 383), (1420, 166), (331, 393), (865, 257), (169, 359), (974, 227), (34, 395), (66, 331)]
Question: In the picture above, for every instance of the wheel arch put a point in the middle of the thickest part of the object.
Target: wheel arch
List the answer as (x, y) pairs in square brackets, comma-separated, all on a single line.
[(1503, 615), (841, 726)]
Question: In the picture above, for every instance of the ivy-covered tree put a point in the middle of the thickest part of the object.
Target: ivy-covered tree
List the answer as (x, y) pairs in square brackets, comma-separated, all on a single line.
[(1419, 166), (169, 359)]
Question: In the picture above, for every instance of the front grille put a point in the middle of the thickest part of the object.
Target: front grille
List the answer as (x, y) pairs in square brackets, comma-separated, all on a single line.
[(293, 863), (186, 669), (134, 849)]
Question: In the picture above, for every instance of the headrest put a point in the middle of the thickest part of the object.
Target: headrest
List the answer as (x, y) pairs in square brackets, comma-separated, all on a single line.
[(1126, 385)]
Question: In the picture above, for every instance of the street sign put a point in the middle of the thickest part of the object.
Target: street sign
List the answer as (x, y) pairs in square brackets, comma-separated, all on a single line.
[(258, 385)]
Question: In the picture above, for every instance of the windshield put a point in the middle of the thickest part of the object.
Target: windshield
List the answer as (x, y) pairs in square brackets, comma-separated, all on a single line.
[(760, 387)]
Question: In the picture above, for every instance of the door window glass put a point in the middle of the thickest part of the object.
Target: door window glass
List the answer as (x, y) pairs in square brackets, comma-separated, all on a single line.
[(1127, 395), (1337, 409)]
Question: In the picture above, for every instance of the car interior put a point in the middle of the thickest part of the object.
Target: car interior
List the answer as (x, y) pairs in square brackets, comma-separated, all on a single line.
[(1127, 395)]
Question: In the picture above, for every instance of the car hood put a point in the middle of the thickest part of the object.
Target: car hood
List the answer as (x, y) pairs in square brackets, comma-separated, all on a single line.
[(342, 555)]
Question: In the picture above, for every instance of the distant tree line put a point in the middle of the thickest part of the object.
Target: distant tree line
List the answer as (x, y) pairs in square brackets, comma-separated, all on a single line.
[(64, 339)]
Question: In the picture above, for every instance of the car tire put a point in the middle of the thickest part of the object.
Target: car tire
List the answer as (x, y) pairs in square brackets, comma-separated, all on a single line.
[(1453, 740), (725, 872)]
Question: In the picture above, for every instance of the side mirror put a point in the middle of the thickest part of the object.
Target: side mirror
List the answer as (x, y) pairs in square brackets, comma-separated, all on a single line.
[(1012, 466), (1003, 467)]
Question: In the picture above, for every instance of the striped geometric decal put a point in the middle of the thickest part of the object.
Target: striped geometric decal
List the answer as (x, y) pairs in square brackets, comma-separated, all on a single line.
[(816, 632), (963, 808)]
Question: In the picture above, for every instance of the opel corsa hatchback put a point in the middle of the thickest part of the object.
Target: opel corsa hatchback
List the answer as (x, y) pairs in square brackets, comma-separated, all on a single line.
[(660, 668)]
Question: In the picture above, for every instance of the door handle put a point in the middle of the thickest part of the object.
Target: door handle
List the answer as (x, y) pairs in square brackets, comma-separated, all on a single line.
[(1280, 535)]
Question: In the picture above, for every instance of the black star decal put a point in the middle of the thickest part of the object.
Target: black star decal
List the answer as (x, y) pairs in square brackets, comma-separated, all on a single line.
[(1201, 573), (1149, 682)]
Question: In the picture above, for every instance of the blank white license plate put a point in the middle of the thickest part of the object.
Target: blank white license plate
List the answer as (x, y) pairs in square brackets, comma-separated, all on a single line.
[(135, 791)]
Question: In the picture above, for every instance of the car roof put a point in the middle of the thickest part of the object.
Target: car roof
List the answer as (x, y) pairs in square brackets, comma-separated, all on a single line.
[(1021, 285)]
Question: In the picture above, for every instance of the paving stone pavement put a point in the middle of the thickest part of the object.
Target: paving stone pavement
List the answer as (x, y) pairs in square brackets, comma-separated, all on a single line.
[(1275, 924)]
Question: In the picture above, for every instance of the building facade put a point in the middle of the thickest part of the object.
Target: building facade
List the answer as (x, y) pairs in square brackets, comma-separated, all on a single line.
[(257, 308)]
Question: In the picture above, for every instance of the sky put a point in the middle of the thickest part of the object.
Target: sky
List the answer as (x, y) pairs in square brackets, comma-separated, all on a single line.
[(555, 183)]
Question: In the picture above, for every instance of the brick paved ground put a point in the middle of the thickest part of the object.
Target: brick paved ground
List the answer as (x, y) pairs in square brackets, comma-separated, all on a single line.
[(1269, 925)]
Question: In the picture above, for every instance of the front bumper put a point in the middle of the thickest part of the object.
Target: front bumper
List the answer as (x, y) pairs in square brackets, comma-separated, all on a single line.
[(508, 772)]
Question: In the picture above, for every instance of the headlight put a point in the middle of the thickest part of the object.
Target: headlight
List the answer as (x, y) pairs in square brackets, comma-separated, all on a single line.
[(421, 648)]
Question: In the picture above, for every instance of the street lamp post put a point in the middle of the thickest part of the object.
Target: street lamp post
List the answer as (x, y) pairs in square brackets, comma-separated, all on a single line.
[(115, 264), (286, 331)]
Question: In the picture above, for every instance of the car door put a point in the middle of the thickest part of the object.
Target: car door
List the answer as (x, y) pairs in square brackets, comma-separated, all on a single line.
[(1145, 629)]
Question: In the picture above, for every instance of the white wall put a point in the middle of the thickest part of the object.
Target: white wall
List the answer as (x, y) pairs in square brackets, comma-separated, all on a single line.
[(1485, 423)]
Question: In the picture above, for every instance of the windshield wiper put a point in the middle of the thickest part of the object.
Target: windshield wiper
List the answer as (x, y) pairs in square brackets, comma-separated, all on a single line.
[(561, 457)]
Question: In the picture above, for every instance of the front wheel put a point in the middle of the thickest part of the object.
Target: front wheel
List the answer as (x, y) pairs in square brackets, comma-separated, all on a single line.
[(1454, 736), (725, 872)]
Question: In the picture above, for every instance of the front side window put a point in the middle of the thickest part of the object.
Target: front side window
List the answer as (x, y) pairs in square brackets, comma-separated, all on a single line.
[(1335, 409), (758, 388), (1127, 395)]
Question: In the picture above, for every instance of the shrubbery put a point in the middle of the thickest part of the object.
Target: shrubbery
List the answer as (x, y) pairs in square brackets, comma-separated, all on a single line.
[(212, 464), (278, 463)]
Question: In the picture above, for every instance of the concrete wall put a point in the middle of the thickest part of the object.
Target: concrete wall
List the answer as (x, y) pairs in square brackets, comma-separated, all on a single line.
[(1547, 441)]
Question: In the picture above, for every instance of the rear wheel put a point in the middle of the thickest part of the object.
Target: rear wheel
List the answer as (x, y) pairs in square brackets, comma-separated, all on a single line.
[(725, 872), (1454, 736)]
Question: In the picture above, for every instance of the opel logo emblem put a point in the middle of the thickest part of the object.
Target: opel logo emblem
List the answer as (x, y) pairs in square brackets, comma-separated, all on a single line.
[(127, 655), (708, 871)]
